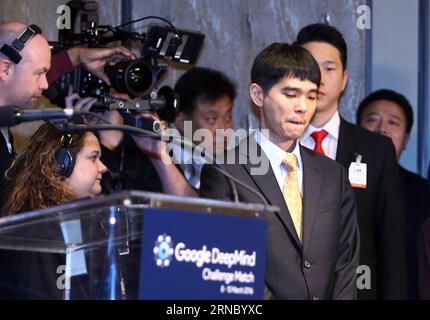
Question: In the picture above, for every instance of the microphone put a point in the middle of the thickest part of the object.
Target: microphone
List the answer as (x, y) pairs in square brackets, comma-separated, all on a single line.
[(11, 115), (180, 141)]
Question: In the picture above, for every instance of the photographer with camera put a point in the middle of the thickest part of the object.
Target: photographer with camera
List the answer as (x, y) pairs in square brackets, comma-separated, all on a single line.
[(25, 59), (141, 172), (92, 59), (206, 101), (134, 163), (26, 70)]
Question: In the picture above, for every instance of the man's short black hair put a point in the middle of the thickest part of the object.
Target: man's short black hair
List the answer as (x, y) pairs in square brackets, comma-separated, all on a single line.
[(390, 95), (281, 60), (320, 32), (202, 85)]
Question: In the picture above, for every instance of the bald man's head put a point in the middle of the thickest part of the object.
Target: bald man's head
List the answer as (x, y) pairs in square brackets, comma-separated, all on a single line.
[(22, 84), (10, 31)]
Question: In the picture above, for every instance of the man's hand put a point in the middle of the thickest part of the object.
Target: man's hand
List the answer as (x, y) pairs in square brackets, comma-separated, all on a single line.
[(109, 138), (172, 179), (74, 101), (149, 146), (94, 59)]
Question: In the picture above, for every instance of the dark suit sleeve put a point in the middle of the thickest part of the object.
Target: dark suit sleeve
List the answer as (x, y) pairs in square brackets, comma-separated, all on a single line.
[(391, 238), (345, 287), (424, 261), (213, 184)]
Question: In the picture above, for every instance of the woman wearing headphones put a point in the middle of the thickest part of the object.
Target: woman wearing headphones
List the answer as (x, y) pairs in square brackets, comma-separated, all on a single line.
[(53, 169)]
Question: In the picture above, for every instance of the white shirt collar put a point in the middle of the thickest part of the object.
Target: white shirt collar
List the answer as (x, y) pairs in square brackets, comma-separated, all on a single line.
[(332, 127), (275, 154)]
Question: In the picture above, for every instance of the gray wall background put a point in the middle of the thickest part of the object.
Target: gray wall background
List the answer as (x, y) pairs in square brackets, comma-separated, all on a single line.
[(395, 59), (236, 30)]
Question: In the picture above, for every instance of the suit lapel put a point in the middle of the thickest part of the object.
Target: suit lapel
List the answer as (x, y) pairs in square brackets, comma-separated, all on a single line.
[(268, 186), (312, 183), (346, 145)]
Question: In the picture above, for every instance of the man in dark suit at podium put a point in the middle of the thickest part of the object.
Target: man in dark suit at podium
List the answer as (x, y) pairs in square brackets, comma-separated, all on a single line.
[(313, 240), (371, 162)]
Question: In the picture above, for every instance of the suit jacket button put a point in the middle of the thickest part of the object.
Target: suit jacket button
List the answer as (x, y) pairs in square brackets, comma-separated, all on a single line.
[(307, 264)]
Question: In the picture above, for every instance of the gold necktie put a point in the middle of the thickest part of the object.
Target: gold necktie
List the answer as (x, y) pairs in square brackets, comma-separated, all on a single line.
[(292, 195)]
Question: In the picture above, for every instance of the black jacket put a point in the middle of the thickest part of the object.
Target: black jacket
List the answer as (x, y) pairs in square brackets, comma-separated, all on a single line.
[(417, 200), (381, 216), (128, 169)]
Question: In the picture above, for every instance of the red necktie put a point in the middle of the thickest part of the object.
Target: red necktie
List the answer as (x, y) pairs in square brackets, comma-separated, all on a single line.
[(318, 137)]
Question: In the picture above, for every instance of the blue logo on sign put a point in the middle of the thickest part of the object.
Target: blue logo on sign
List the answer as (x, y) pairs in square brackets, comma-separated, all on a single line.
[(163, 250)]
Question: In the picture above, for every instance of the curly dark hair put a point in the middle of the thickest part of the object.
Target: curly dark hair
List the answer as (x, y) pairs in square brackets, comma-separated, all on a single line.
[(34, 178)]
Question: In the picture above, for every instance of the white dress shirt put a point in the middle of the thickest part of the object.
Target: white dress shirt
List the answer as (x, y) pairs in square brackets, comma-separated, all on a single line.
[(276, 156), (191, 165), (329, 144)]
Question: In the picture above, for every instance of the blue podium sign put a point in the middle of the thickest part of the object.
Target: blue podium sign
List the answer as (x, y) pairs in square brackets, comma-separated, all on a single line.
[(188, 255)]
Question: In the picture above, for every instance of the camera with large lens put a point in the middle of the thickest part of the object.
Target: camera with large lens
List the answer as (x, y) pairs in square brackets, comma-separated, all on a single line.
[(135, 77), (138, 77)]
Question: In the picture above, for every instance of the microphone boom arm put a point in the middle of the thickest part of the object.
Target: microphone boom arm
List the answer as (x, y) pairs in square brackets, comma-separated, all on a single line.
[(64, 126)]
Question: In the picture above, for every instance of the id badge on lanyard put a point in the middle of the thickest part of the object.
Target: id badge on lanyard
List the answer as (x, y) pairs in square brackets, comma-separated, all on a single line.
[(357, 173)]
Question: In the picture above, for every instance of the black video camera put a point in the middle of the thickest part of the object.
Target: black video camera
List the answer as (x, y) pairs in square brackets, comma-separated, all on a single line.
[(139, 77)]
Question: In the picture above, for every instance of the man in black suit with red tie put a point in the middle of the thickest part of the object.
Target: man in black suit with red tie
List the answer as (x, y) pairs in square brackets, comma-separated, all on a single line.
[(371, 164), (313, 240)]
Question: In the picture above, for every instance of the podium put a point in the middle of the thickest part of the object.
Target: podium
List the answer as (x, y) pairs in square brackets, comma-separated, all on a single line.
[(140, 245)]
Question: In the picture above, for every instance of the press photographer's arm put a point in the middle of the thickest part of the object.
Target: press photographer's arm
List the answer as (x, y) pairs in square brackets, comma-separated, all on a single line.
[(93, 59)]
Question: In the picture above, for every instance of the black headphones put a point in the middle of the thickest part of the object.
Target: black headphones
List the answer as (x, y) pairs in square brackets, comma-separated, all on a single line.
[(12, 51), (65, 156)]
